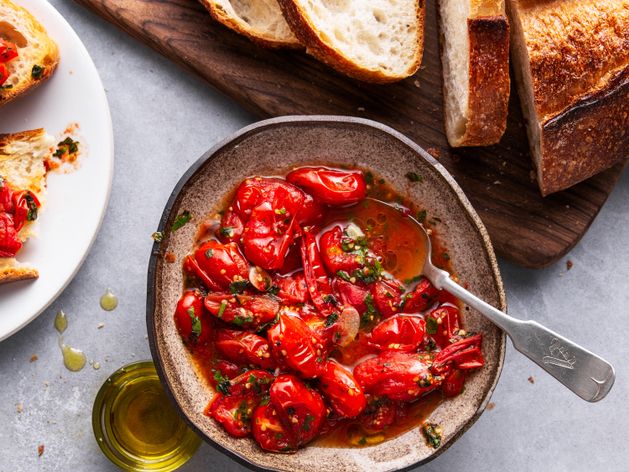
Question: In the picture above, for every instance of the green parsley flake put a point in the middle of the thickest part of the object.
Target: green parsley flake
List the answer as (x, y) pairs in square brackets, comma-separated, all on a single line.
[(330, 320), (157, 236), (196, 323), (432, 434), (431, 325), (413, 177), (37, 72), (238, 286), (182, 219)]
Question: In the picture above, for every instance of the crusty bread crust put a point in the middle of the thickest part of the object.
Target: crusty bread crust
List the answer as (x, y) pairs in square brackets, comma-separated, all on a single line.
[(6, 139), (572, 79), (258, 37), (47, 57), (489, 81), (13, 274), (308, 35)]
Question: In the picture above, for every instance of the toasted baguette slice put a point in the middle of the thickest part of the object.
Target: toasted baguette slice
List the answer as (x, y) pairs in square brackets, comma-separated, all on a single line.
[(259, 20), (475, 58), (571, 63), (22, 165), (35, 48), (380, 41)]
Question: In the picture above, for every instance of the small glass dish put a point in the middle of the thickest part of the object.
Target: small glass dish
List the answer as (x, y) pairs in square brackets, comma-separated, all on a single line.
[(136, 425)]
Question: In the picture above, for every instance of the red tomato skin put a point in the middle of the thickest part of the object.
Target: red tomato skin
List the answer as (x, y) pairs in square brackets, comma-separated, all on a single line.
[(330, 186), (351, 294), (292, 288), (342, 391), (253, 382), (8, 51), (228, 412), (300, 409), (243, 347), (387, 296), (398, 333), (10, 244), (190, 306), (21, 207), (465, 354), (423, 296), (227, 369), (243, 311), (311, 213), (296, 345), (269, 432), (447, 318), (222, 263), (397, 375), (379, 413), (319, 285), (252, 192), (4, 74), (231, 228), (453, 384), (332, 254)]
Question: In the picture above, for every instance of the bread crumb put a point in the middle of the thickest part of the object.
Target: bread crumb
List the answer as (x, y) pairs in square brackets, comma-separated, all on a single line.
[(170, 257), (416, 83), (360, 108), (569, 264), (40, 450), (34, 358), (491, 406), (531, 379), (100, 325), (532, 176), (434, 152), (19, 407)]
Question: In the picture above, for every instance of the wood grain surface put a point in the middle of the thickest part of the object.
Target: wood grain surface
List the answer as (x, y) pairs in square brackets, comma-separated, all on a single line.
[(530, 230)]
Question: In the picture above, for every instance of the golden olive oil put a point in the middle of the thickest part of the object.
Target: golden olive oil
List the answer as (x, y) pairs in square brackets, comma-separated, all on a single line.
[(74, 359), (61, 322), (108, 301)]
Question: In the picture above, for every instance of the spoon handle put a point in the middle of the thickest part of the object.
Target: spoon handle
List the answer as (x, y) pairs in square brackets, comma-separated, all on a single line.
[(583, 372)]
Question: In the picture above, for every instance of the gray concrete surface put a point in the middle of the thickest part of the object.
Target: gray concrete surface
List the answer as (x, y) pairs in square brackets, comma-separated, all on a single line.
[(163, 120)]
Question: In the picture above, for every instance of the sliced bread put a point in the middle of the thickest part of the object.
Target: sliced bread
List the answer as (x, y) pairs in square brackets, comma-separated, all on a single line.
[(378, 41), (571, 63), (38, 54), (22, 167), (259, 20), (475, 59)]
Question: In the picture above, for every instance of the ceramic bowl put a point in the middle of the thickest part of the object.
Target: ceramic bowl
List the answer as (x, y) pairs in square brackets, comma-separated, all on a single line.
[(273, 147)]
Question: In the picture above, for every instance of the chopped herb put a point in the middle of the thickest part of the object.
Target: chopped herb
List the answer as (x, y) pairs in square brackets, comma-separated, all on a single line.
[(421, 216), (226, 231), (432, 434), (181, 220), (381, 181), (6, 87), (241, 320), (369, 178), (273, 290), (221, 310), (331, 299), (431, 345), (280, 211), (196, 323), (238, 286), (307, 422), (209, 253), (330, 320), (344, 275), (222, 383), (32, 207), (417, 278), (371, 313), (243, 412), (434, 220), (413, 177), (67, 146), (37, 72), (362, 441), (157, 236), (446, 256), (265, 400), (431, 325)]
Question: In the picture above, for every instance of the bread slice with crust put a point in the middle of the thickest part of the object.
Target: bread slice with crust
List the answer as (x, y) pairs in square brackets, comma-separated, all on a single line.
[(475, 60), (571, 64), (379, 41), (259, 20), (22, 166), (38, 54)]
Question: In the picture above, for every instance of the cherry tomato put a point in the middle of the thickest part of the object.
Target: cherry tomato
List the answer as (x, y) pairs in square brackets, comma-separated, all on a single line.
[(399, 333), (221, 264), (252, 192), (225, 369), (442, 323), (269, 432), (243, 347), (341, 390), (25, 205), (387, 296), (191, 324), (297, 345), (4, 73), (379, 413), (233, 413), (247, 311), (311, 212), (10, 243), (8, 50), (319, 285), (330, 186), (253, 382), (231, 227), (423, 296), (453, 384), (398, 375), (301, 409), (333, 255), (464, 354), (292, 288)]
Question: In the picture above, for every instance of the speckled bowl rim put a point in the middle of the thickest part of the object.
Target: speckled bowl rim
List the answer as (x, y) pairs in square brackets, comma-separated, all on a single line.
[(304, 120)]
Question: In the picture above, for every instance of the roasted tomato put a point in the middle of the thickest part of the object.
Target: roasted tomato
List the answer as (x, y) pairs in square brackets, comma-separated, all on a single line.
[(319, 285), (269, 432), (334, 256), (399, 333), (397, 375), (341, 390), (26, 206), (292, 288), (245, 311), (191, 324), (379, 414), (442, 323), (252, 192), (330, 186), (4, 73), (243, 347), (300, 408), (219, 265), (231, 227), (311, 212), (464, 354), (423, 296), (453, 384), (297, 345), (10, 243), (353, 295), (387, 295), (222, 369), (8, 50), (233, 406)]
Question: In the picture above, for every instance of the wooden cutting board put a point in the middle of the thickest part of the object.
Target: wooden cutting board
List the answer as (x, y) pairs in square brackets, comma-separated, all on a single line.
[(525, 228)]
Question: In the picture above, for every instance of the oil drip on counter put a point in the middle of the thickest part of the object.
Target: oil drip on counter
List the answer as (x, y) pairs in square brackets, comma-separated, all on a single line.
[(108, 301), (73, 359)]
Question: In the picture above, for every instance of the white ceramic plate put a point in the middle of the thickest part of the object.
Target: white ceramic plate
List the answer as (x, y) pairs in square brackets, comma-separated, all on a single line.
[(75, 202)]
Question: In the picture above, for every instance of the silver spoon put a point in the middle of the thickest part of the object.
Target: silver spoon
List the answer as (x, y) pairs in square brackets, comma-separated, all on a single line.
[(586, 374)]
